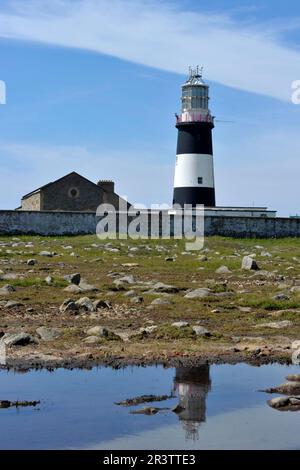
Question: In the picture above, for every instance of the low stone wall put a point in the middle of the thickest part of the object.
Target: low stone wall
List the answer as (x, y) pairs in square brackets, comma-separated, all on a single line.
[(76, 223)]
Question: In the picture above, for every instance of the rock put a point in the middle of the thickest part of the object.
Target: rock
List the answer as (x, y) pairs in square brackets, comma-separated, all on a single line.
[(91, 340), (130, 293), (46, 253), (17, 339), (180, 324), (69, 306), (202, 258), (73, 289), (127, 280), (97, 331), (147, 411), (86, 287), (143, 399), (31, 262), (161, 301), (296, 344), (201, 331), (200, 293), (102, 304), (285, 403), (13, 304), (129, 265), (118, 285), (85, 303), (295, 289), (281, 296), (249, 263), (148, 329), (293, 378), (137, 299), (49, 280), (48, 334), (73, 278), (169, 258), (266, 253), (161, 287), (275, 324), (286, 388), (245, 309), (7, 289), (223, 270)]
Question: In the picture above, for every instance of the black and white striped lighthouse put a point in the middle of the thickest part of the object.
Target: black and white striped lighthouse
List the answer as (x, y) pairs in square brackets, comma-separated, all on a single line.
[(194, 170)]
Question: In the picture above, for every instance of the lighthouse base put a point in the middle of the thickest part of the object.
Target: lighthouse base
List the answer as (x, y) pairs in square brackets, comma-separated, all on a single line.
[(194, 196)]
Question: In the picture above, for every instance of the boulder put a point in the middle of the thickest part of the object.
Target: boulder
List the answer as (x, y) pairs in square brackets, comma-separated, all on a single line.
[(7, 289), (161, 287), (137, 299), (48, 334), (17, 339), (91, 340), (73, 289), (31, 262), (101, 304), (85, 303), (46, 253), (275, 324), (69, 306), (97, 331), (49, 280), (161, 301), (180, 324), (249, 263), (73, 278), (223, 270), (201, 331), (200, 293), (13, 304)]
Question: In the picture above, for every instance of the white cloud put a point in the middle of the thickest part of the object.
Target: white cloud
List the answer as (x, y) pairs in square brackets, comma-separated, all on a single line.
[(162, 35)]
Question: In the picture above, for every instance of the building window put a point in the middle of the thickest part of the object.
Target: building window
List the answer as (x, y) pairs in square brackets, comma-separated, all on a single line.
[(73, 193), (200, 180)]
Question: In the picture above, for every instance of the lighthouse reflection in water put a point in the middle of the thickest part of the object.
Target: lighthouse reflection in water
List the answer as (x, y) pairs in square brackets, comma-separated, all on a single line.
[(192, 386)]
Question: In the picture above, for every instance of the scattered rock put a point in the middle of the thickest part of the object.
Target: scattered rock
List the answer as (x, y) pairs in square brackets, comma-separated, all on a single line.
[(31, 262), (17, 339), (275, 324), (7, 289), (130, 293), (86, 287), (102, 304), (48, 334), (73, 289), (201, 331), (285, 403), (49, 280), (286, 388), (13, 304), (73, 278), (161, 301), (249, 263), (91, 340), (161, 287), (137, 299), (281, 297), (143, 399), (85, 303), (223, 270), (293, 378), (97, 331), (147, 411), (180, 324), (69, 306), (200, 293), (46, 253)]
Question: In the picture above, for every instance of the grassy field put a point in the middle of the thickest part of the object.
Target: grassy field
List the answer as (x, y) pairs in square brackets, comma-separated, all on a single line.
[(239, 302)]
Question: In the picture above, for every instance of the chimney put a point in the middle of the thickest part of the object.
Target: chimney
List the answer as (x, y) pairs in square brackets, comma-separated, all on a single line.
[(107, 185)]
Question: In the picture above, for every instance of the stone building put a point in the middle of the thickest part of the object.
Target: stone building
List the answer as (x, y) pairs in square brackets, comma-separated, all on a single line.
[(72, 193)]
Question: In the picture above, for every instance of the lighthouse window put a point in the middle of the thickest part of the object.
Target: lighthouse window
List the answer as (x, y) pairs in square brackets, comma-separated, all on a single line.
[(200, 180)]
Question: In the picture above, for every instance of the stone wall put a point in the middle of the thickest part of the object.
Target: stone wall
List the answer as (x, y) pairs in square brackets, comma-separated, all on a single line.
[(75, 223)]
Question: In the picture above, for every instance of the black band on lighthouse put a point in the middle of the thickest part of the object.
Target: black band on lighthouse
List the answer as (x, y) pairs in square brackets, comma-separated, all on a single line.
[(194, 138), (194, 196)]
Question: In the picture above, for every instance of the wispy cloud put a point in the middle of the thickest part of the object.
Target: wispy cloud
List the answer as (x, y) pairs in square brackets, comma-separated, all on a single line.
[(162, 34)]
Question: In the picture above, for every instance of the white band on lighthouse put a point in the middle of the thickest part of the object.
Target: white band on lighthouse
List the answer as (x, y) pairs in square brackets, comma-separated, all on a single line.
[(194, 170)]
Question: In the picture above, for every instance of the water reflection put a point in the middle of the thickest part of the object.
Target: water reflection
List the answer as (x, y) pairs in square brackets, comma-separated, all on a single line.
[(192, 385)]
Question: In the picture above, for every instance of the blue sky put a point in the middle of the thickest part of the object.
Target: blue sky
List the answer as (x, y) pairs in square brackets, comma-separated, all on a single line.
[(93, 86)]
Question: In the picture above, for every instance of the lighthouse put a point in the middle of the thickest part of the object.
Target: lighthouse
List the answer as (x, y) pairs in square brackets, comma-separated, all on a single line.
[(194, 169)]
